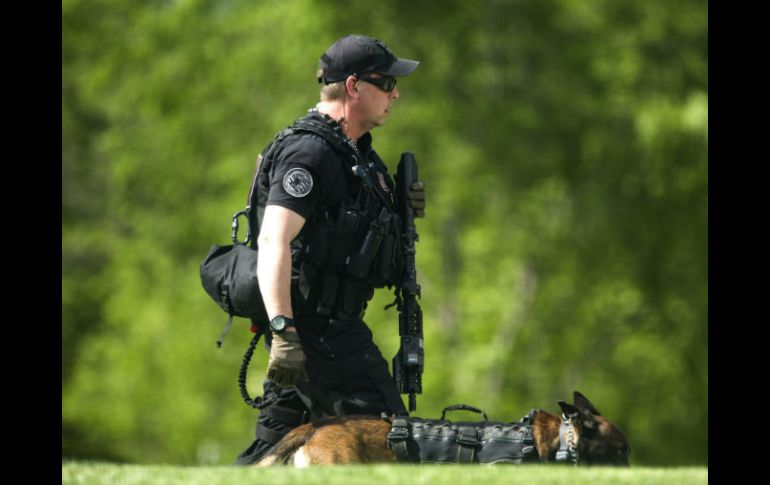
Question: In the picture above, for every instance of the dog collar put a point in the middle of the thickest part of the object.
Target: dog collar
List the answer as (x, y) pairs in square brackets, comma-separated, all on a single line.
[(567, 450)]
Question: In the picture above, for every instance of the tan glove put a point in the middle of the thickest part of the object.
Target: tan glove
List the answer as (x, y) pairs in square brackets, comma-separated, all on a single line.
[(286, 365)]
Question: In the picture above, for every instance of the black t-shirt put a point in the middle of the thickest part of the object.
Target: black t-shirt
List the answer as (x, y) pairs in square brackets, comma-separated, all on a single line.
[(308, 172)]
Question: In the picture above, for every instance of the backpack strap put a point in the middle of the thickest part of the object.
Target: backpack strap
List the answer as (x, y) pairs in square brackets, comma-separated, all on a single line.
[(263, 165)]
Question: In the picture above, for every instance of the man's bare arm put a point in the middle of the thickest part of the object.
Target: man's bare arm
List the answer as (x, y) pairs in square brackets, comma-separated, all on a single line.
[(279, 227)]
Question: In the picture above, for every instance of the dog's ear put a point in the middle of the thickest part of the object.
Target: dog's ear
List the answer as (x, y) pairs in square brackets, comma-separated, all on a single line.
[(585, 419), (584, 404), (568, 409)]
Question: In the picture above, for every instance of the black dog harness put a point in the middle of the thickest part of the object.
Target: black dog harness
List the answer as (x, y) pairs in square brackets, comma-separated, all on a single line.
[(417, 440)]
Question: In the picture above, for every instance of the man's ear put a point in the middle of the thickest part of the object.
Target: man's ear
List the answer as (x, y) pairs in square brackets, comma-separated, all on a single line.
[(351, 85)]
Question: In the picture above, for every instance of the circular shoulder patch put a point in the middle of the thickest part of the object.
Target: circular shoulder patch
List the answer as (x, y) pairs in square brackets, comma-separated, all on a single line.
[(298, 182)]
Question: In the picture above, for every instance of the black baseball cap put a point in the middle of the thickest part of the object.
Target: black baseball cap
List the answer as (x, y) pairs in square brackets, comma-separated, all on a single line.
[(359, 54)]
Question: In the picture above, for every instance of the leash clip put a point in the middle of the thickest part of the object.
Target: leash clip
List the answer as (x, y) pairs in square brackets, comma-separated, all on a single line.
[(567, 451)]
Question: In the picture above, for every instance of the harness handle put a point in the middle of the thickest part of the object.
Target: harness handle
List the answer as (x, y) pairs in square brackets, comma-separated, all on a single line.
[(463, 407)]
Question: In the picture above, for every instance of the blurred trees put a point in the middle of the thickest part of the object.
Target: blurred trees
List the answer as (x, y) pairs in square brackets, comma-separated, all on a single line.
[(564, 148)]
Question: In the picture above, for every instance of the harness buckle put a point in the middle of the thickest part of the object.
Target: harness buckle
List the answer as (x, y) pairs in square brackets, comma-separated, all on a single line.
[(399, 430), (468, 437)]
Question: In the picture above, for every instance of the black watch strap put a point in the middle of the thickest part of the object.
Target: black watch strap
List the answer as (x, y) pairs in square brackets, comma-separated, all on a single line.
[(280, 323)]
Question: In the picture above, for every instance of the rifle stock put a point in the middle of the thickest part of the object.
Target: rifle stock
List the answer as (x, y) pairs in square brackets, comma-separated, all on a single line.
[(408, 363)]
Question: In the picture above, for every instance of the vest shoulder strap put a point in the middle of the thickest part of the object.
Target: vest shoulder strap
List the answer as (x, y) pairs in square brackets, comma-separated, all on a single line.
[(333, 136)]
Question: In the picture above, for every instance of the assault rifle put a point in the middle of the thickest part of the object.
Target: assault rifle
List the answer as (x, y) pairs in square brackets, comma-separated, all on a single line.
[(408, 363)]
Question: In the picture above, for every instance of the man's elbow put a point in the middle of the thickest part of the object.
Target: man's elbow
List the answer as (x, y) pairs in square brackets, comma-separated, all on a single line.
[(279, 228), (265, 239), (271, 243)]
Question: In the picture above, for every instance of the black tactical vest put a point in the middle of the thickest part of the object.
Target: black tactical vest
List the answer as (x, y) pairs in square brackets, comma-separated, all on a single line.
[(342, 253)]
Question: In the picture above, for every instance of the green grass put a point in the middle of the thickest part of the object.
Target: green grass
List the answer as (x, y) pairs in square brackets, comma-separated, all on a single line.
[(85, 473)]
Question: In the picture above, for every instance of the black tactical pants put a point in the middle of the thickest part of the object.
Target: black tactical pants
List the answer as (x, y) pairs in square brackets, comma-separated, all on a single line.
[(348, 375)]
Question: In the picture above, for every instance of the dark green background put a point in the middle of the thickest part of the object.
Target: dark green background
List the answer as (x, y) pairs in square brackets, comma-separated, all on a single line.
[(564, 149)]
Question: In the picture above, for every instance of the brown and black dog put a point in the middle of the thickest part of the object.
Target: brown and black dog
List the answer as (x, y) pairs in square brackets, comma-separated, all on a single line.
[(363, 439)]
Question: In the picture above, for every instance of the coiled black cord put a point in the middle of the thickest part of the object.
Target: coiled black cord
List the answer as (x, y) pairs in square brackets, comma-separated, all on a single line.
[(257, 402)]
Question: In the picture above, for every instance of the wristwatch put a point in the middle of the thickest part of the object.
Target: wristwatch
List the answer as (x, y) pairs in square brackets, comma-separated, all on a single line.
[(280, 323)]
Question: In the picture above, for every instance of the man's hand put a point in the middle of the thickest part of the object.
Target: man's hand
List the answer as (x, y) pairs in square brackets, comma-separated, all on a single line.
[(286, 365), (417, 198)]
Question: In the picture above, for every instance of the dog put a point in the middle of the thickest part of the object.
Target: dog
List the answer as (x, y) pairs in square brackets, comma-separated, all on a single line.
[(593, 440)]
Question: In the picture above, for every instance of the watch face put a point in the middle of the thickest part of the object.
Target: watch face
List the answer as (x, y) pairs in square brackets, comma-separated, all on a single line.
[(278, 324)]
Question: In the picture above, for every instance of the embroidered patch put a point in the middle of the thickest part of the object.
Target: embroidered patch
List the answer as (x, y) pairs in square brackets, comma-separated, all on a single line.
[(298, 182)]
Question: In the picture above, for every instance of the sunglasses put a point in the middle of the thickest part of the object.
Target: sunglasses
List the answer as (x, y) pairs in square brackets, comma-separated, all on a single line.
[(387, 84)]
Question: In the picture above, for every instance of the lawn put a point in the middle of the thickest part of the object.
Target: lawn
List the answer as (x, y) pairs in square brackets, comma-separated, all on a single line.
[(86, 473)]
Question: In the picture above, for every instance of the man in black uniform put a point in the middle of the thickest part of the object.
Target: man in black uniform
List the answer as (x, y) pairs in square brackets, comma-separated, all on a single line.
[(329, 235)]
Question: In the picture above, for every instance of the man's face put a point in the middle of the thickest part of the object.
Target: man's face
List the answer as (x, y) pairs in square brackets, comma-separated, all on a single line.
[(375, 101)]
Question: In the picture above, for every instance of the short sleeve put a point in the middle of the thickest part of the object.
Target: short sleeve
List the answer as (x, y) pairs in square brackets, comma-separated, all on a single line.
[(297, 181)]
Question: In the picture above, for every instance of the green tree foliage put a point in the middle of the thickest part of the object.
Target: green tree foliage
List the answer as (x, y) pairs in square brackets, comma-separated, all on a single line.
[(564, 148)]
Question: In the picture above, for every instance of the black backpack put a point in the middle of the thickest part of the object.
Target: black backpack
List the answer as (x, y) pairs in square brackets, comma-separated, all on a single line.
[(229, 275)]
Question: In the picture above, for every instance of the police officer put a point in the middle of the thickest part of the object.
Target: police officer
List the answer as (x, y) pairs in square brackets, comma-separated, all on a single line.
[(329, 236)]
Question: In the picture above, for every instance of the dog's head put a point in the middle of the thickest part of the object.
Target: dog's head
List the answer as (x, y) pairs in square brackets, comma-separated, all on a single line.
[(599, 442)]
